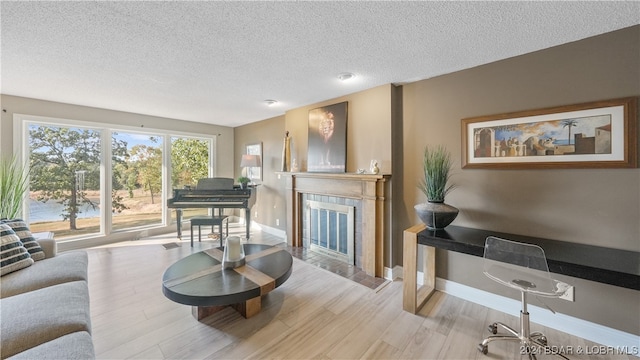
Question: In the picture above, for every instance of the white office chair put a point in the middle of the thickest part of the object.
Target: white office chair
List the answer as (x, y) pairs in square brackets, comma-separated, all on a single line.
[(522, 267)]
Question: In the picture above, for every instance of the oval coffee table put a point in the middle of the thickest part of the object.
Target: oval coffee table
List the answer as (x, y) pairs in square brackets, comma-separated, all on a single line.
[(199, 280)]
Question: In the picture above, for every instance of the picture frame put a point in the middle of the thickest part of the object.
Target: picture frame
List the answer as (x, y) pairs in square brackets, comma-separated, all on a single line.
[(254, 173), (327, 150), (600, 134)]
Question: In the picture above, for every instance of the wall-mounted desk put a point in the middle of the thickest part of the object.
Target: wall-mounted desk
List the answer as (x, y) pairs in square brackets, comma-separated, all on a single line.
[(595, 263)]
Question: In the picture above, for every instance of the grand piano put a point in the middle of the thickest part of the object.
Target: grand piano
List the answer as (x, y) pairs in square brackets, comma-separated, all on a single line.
[(211, 194)]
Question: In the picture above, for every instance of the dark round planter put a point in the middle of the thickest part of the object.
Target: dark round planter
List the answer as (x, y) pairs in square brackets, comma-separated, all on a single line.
[(436, 215)]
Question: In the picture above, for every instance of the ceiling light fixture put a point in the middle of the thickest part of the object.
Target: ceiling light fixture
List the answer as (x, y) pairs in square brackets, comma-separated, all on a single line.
[(270, 102), (346, 76)]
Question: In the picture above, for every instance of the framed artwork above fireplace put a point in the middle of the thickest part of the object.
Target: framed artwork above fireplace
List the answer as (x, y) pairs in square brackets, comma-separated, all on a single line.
[(327, 151)]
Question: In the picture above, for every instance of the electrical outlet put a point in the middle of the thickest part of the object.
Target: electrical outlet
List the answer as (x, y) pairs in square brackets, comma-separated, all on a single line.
[(256, 214), (277, 222), (569, 295)]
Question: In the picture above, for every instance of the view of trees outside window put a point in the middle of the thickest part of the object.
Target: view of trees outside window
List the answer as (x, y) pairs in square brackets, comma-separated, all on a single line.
[(136, 180), (65, 192), (189, 163)]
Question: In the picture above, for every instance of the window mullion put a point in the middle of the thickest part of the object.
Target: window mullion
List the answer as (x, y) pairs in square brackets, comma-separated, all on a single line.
[(106, 174)]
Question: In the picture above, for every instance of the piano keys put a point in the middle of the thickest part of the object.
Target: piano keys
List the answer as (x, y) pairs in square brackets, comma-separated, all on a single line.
[(214, 199)]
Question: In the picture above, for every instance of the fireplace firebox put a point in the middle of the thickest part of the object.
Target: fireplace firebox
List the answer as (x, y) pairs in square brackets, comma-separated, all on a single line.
[(330, 230)]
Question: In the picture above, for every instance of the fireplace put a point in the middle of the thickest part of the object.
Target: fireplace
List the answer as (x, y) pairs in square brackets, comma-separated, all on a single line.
[(329, 229), (365, 193)]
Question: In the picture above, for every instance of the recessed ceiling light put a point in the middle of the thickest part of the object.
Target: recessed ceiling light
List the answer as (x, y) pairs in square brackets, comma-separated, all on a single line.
[(346, 76), (270, 102)]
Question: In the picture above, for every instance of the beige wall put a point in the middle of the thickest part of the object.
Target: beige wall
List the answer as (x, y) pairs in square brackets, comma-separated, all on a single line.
[(270, 204), (590, 206), (368, 129), (368, 137), (27, 106)]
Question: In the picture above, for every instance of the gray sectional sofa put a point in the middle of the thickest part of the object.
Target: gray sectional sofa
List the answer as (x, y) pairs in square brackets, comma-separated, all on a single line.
[(44, 308)]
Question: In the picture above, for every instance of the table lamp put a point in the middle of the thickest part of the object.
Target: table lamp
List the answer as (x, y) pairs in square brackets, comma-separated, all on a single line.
[(250, 161)]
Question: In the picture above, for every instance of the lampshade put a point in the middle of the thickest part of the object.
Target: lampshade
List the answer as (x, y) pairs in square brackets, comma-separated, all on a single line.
[(250, 161)]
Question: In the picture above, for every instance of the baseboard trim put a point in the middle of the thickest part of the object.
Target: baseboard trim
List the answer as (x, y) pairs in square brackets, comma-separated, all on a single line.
[(269, 230), (597, 333), (392, 274)]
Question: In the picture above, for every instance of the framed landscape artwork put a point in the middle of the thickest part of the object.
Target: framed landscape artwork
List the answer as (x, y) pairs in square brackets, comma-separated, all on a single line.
[(327, 150), (600, 134)]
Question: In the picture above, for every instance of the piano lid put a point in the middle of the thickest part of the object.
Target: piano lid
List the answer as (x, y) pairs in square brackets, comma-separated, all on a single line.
[(212, 198), (215, 183)]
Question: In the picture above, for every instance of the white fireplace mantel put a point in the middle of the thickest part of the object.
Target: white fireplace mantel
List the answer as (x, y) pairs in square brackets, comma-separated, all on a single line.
[(371, 190)]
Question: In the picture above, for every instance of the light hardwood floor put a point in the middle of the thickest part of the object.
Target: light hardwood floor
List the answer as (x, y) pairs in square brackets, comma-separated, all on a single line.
[(315, 314)]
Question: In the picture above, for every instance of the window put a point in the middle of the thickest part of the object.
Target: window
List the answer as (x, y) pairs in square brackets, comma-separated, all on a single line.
[(80, 187), (136, 193), (190, 159), (64, 188)]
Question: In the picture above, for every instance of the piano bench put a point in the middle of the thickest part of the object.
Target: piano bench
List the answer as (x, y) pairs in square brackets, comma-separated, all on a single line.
[(212, 221)]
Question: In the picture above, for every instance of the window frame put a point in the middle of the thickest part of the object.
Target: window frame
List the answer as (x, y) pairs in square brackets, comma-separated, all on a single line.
[(21, 149)]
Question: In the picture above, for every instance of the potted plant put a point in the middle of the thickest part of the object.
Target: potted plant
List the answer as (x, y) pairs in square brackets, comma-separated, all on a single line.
[(436, 168), (13, 185), (243, 180)]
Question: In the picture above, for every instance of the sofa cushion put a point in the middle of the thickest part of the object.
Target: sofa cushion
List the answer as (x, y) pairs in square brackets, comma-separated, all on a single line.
[(77, 345), (39, 316), (13, 255), (66, 267), (29, 242)]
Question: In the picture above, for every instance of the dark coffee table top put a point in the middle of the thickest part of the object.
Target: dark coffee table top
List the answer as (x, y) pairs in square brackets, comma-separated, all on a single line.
[(199, 279)]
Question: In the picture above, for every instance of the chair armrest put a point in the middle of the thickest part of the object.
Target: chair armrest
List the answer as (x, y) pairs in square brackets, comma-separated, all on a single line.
[(47, 243)]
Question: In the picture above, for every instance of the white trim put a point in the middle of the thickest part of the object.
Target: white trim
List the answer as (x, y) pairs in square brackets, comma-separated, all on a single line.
[(597, 333), (392, 274)]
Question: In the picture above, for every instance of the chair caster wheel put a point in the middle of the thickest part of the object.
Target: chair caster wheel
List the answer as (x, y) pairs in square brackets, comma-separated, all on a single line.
[(493, 328), (483, 349), (543, 340)]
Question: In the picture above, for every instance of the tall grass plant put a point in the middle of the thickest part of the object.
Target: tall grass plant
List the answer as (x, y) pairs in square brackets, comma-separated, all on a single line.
[(13, 186), (436, 166)]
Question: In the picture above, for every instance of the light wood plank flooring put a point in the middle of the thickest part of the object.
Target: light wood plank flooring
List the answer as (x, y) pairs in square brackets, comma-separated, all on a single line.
[(314, 315)]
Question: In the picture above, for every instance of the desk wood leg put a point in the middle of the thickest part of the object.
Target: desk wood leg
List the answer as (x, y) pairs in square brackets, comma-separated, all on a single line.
[(413, 298)]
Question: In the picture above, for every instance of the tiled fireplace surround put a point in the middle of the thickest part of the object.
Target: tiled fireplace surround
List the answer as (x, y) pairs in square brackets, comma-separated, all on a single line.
[(366, 192)]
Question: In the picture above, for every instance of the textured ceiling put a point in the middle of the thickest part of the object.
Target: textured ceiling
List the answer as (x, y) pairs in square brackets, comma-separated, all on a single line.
[(216, 62)]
